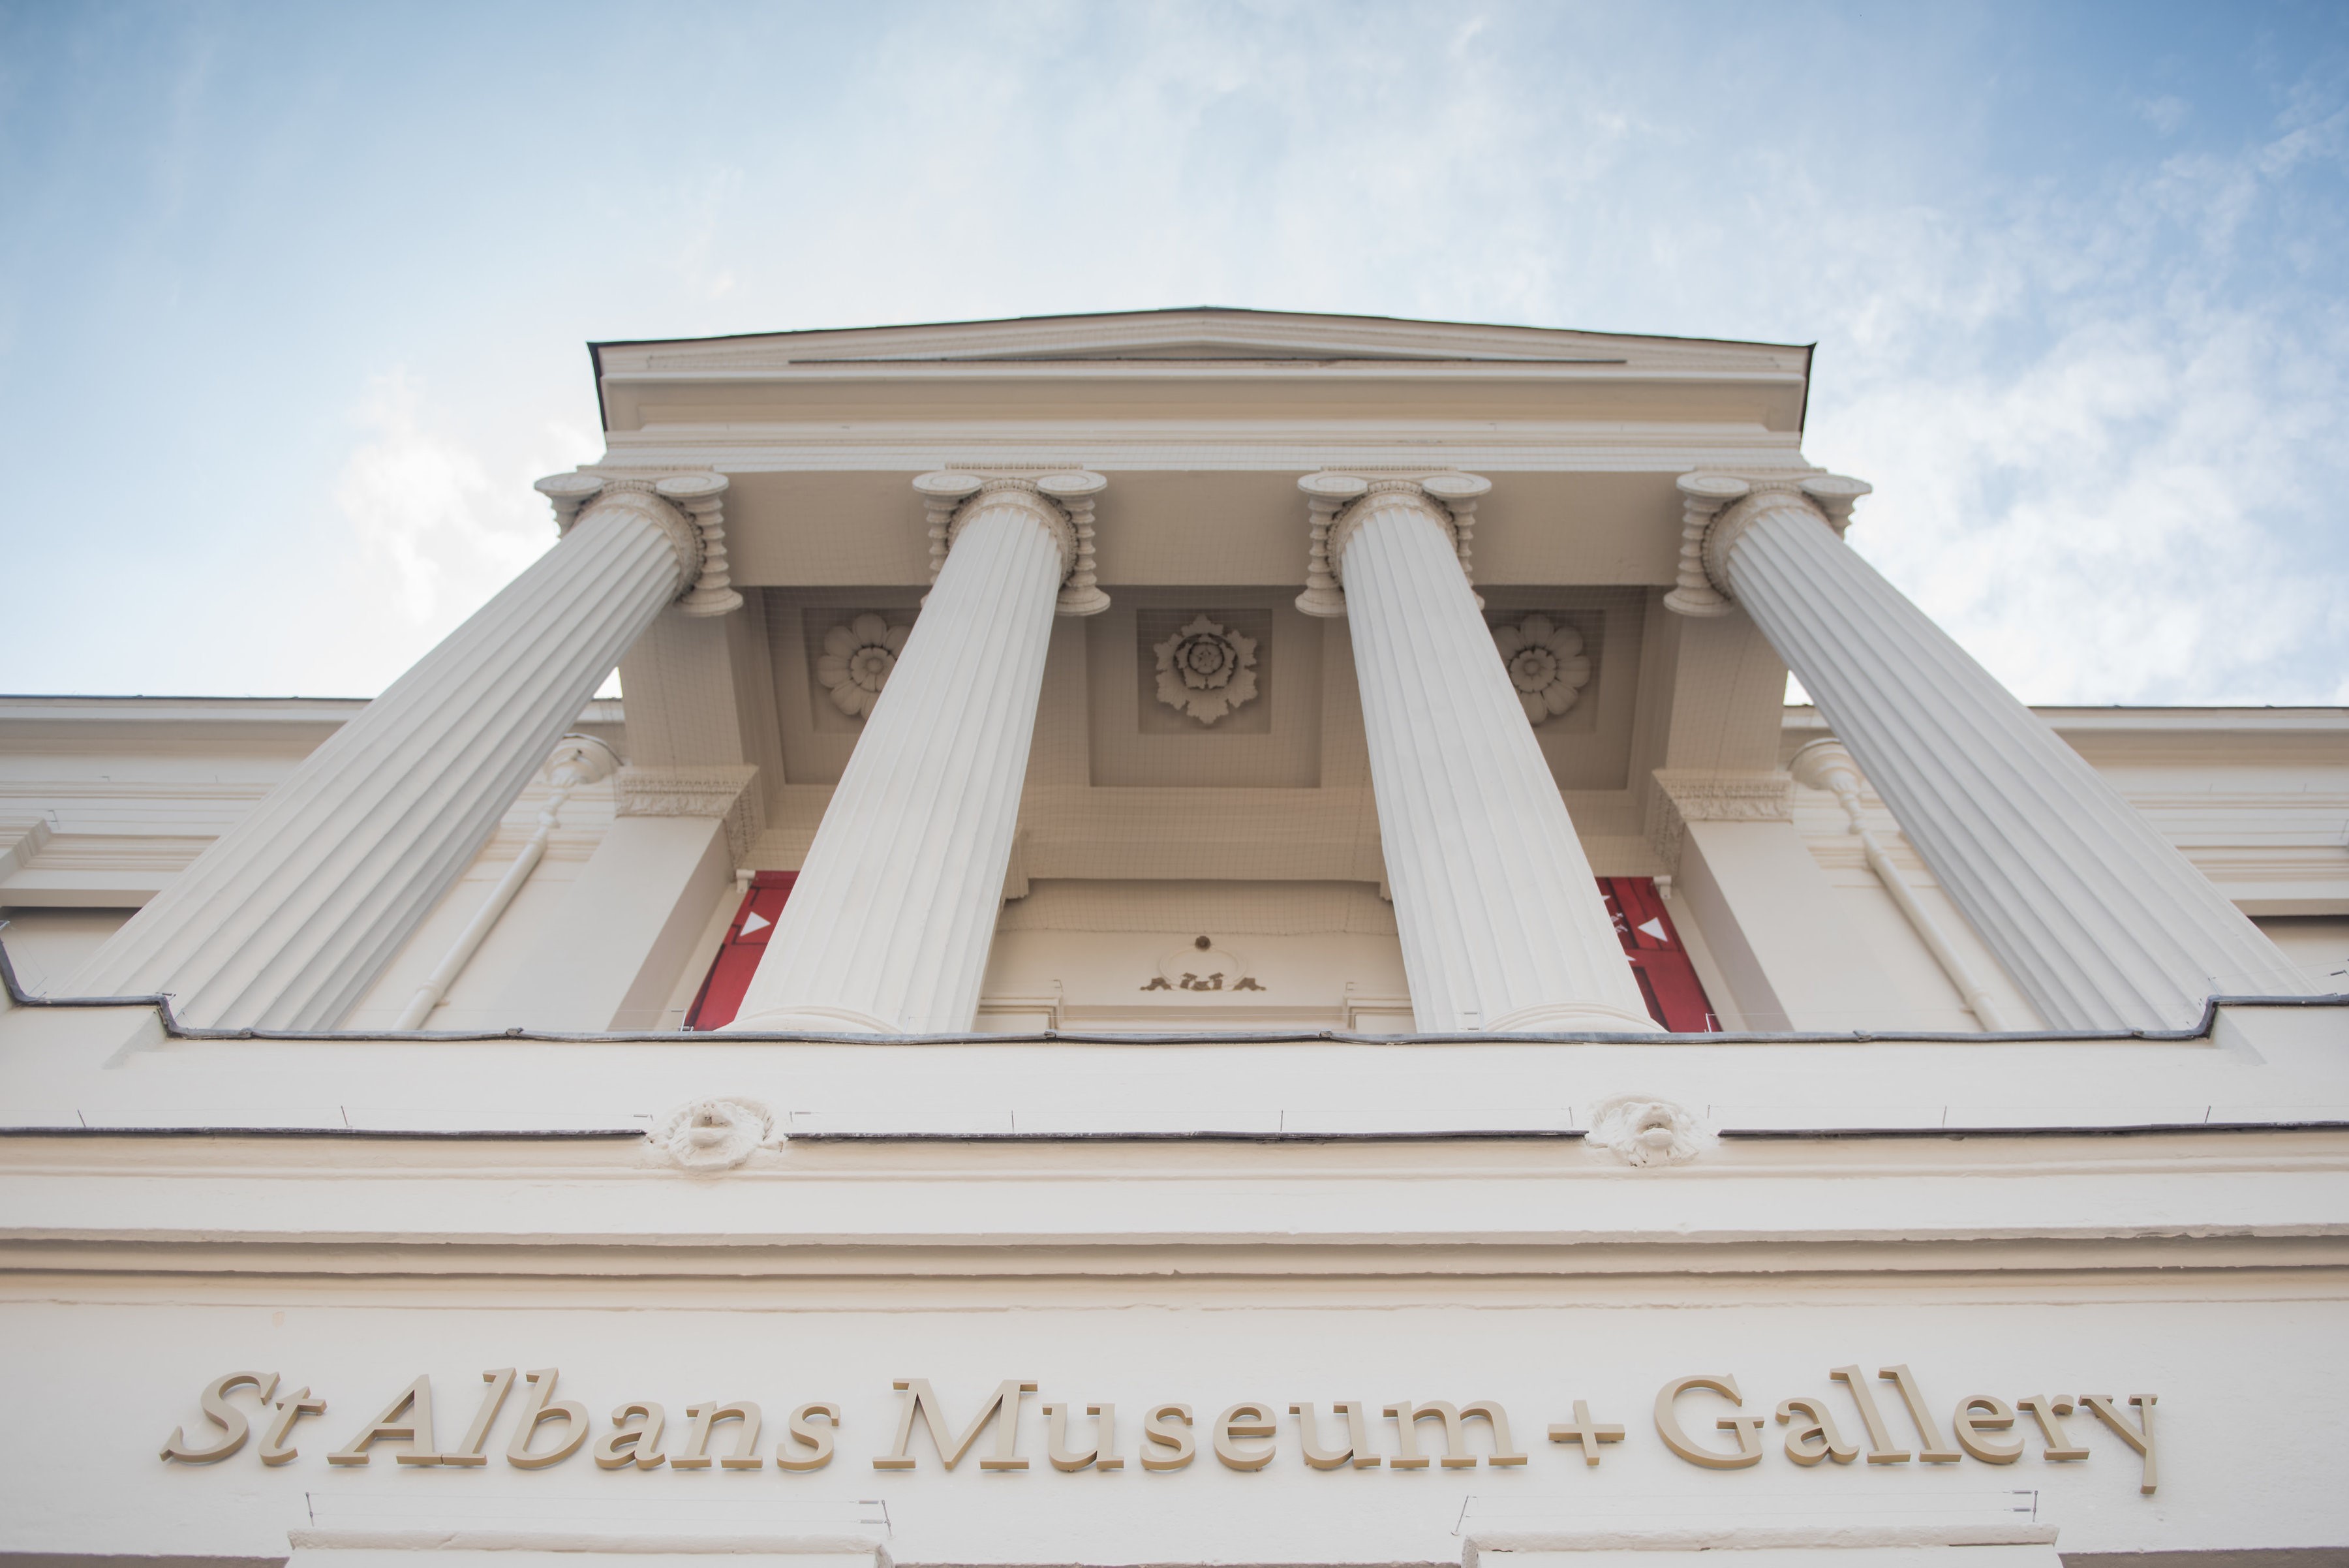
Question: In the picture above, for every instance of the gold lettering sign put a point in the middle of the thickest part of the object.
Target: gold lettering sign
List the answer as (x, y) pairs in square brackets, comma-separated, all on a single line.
[(726, 1435)]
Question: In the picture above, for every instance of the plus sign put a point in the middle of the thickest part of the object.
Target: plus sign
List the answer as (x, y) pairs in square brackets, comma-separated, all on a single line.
[(1587, 1432)]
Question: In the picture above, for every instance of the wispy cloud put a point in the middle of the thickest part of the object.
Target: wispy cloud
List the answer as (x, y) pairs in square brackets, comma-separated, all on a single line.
[(422, 510), (2077, 274)]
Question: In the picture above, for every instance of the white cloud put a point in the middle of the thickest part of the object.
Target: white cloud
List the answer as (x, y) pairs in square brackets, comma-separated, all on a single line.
[(2131, 507), (2097, 381), (431, 532)]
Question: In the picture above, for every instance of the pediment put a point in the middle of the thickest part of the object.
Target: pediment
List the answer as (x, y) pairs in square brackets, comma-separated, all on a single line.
[(1205, 335)]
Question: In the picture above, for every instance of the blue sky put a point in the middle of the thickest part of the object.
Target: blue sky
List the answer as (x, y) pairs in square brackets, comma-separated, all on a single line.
[(293, 298)]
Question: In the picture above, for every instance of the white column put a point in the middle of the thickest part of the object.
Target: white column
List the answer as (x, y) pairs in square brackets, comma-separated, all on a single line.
[(290, 915), (2100, 918), (889, 924), (1503, 927)]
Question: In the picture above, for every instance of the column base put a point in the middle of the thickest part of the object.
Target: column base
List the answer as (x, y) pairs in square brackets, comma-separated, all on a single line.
[(806, 1020), (1573, 1017)]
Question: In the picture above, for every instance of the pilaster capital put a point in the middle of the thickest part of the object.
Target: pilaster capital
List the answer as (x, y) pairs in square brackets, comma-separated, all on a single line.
[(1678, 796), (688, 507), (1061, 499), (716, 790), (1337, 503), (1717, 509)]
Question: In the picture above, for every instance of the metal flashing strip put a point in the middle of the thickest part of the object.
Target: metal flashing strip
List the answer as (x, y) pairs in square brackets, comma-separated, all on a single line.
[(1453, 1135), (175, 1030), (410, 1135), (2132, 1129), (1136, 1135), (1314, 361)]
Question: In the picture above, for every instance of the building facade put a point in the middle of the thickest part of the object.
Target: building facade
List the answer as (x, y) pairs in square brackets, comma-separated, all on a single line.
[(1199, 937)]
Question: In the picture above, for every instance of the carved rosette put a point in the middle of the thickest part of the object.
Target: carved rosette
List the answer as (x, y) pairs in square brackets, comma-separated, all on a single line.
[(1547, 668), (1206, 669), (857, 660)]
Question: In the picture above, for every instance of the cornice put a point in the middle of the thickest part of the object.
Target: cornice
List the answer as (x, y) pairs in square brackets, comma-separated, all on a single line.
[(2323, 722), (1281, 448), (2156, 1261), (711, 369), (1190, 334)]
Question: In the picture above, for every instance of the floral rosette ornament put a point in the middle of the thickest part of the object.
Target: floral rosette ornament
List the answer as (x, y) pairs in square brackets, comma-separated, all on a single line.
[(857, 660), (1545, 664), (1206, 669)]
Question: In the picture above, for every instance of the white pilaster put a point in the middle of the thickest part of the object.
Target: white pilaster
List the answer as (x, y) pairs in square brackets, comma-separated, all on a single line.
[(1501, 924), (290, 915), (888, 927), (2100, 918)]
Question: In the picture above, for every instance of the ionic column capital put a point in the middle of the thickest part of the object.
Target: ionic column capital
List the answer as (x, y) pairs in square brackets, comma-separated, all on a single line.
[(1716, 510), (1337, 505), (688, 507), (1062, 500)]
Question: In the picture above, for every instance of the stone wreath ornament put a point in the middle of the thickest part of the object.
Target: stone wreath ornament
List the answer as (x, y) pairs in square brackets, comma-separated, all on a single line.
[(1644, 1130), (857, 660), (1206, 669), (711, 1135), (1546, 665)]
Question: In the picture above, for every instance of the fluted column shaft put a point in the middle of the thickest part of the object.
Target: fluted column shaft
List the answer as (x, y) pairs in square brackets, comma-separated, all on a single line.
[(2100, 918), (290, 915), (1502, 923), (889, 924)]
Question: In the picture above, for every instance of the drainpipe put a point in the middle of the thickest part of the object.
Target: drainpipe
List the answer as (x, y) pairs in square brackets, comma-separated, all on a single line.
[(1824, 765), (577, 761)]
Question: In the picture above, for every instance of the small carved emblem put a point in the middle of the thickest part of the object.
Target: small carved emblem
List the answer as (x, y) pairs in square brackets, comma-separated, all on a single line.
[(1545, 664), (857, 660), (1203, 966), (712, 1135), (1640, 1129), (1206, 669)]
